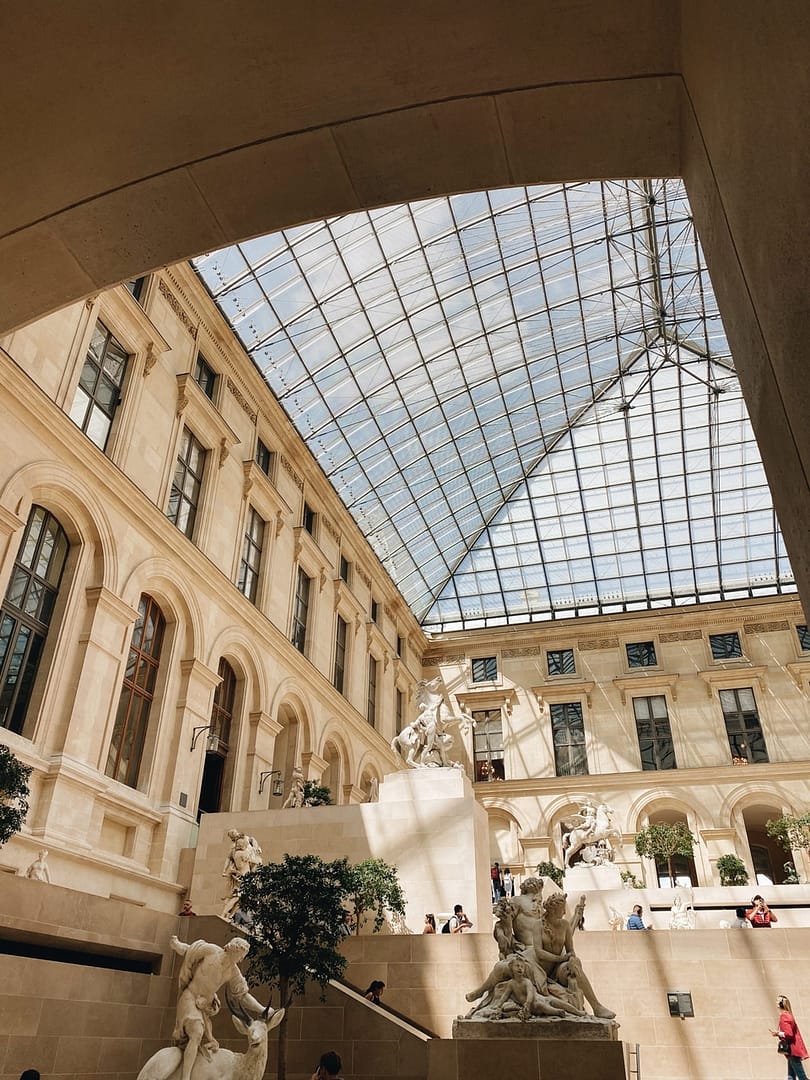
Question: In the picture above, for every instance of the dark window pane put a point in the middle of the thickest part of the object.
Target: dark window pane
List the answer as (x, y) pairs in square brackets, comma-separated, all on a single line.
[(804, 638), (725, 646), (187, 484), (561, 662), (484, 669), (641, 654), (264, 457), (301, 611), (745, 738), (568, 738), (204, 376), (98, 394), (654, 734), (488, 745)]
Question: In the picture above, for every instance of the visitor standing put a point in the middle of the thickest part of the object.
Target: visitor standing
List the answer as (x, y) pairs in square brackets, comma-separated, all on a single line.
[(789, 1035), (497, 882), (430, 924), (458, 921), (635, 922), (759, 914), (508, 884)]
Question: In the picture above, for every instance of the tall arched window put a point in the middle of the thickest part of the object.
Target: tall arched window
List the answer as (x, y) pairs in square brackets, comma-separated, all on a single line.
[(27, 610), (137, 694), (218, 741)]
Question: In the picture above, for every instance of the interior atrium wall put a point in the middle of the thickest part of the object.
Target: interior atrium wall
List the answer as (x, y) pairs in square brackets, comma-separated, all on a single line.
[(164, 537)]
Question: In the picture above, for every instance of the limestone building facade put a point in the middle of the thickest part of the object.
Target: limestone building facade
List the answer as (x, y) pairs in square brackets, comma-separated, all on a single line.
[(189, 611)]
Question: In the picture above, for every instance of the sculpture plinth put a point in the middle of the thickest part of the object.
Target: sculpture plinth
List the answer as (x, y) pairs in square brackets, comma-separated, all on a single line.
[(589, 1029)]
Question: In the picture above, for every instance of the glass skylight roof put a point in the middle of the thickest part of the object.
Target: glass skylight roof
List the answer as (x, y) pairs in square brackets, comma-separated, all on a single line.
[(525, 398)]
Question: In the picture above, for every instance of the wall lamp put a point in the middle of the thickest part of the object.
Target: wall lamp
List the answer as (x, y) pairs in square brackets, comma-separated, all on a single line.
[(277, 788), (197, 732)]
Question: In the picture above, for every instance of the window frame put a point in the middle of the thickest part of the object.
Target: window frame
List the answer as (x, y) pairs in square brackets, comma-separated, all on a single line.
[(265, 458), (719, 658), (339, 666), (741, 714), (93, 404), (301, 612), (489, 662), (656, 738), (372, 693), (205, 376), (635, 644), (570, 745), (190, 532), (486, 755), (561, 673), (250, 570)]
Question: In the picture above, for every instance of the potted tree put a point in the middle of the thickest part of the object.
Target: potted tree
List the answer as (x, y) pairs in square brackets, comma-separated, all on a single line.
[(13, 793), (663, 840), (374, 886), (732, 870), (793, 833)]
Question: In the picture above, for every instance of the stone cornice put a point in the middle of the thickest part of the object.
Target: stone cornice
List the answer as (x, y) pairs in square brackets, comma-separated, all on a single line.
[(489, 698), (564, 691), (645, 681), (726, 678)]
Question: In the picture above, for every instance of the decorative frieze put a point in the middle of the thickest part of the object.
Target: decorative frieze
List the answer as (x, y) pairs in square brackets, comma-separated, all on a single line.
[(681, 635), (241, 400), (766, 627), (434, 659), (330, 528), (290, 471), (598, 643), (513, 654), (177, 308), (364, 577)]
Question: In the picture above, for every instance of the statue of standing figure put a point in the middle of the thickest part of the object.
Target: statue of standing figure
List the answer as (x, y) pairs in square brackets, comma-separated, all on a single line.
[(245, 855), (295, 798), (425, 742), (543, 939), (38, 870)]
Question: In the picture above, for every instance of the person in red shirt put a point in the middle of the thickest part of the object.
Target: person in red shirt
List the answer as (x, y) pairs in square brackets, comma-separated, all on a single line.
[(788, 1029), (760, 914)]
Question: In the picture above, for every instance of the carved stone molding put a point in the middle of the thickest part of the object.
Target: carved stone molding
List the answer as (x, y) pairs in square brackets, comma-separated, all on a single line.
[(330, 528), (766, 627), (364, 577), (177, 308), (598, 643), (241, 400), (557, 694), (733, 677), (681, 635), (150, 358), (528, 650), (643, 683), (290, 471)]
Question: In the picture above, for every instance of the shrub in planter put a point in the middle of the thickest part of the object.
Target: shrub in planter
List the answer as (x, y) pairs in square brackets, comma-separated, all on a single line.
[(732, 870)]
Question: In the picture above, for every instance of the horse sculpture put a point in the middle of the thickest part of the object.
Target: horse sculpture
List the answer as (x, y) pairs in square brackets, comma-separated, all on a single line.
[(424, 742), (596, 829)]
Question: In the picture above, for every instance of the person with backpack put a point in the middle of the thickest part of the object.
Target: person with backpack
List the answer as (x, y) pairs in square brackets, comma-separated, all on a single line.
[(458, 922)]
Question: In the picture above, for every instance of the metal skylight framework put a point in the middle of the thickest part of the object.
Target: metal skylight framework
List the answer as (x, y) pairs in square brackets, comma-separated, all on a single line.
[(525, 398)]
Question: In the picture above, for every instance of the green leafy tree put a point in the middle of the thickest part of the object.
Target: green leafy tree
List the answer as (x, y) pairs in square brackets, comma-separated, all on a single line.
[(315, 795), (732, 870), (375, 888), (13, 793), (663, 840), (793, 833), (297, 908), (549, 870), (630, 881)]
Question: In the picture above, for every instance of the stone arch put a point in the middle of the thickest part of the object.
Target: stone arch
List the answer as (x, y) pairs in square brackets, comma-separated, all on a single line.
[(82, 516), (664, 806), (765, 858), (367, 768), (335, 752), (504, 836), (238, 647), (159, 578), (294, 739)]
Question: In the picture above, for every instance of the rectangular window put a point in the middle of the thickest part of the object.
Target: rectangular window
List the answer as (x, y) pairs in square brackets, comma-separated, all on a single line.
[(339, 674), (251, 555), (641, 654), (345, 569), (98, 394), (399, 706), (400, 647), (725, 646), (184, 498), (375, 609), (135, 286), (484, 669), (264, 458), (568, 736), (561, 662), (488, 745), (204, 376), (301, 611), (654, 733), (804, 638), (371, 711), (745, 738), (309, 519)]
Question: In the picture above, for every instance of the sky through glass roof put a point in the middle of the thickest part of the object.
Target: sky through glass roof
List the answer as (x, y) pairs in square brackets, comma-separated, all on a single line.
[(524, 397)]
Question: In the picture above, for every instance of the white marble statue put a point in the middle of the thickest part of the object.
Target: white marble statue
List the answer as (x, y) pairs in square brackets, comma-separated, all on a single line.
[(245, 855), (295, 798), (425, 742), (681, 914), (617, 920), (38, 870), (373, 793), (222, 1064), (590, 835), (542, 938), (196, 1055)]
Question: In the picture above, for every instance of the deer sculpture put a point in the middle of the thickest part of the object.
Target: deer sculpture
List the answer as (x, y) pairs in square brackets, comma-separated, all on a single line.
[(224, 1064)]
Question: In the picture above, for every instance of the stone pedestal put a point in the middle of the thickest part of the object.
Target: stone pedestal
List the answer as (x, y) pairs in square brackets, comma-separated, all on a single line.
[(586, 879), (584, 1030), (525, 1059)]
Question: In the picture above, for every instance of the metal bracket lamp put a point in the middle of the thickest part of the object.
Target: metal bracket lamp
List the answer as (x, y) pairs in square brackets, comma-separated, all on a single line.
[(197, 732), (278, 787)]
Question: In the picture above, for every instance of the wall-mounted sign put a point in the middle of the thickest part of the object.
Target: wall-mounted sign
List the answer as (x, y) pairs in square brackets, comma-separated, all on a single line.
[(680, 1003)]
